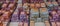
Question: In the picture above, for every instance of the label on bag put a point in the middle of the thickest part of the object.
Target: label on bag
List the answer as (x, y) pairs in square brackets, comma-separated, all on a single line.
[(11, 5), (25, 24), (47, 23), (15, 17), (4, 5), (37, 5), (32, 23), (43, 12), (34, 11), (55, 3), (49, 4), (5, 16), (25, 5), (43, 5), (23, 17)]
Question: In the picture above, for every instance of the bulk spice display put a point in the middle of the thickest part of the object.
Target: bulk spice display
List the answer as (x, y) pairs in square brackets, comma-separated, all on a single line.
[(54, 17), (35, 11), (6, 12), (2, 12), (23, 17)]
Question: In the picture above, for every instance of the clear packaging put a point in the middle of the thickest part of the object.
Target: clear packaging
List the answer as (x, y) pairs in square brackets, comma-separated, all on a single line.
[(43, 5), (6, 16), (0, 6), (53, 23), (34, 12), (25, 24), (58, 23), (32, 23), (37, 5), (4, 5), (11, 5), (32, 5), (23, 17), (55, 3), (44, 12), (14, 17), (49, 4), (25, 5), (47, 23)]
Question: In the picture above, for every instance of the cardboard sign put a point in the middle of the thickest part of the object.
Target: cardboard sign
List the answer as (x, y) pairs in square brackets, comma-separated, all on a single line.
[(49, 4)]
